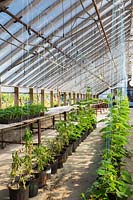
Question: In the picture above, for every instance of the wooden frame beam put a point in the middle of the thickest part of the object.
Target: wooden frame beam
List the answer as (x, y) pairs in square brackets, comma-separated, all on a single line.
[(65, 98), (51, 99), (31, 95), (42, 97), (16, 96)]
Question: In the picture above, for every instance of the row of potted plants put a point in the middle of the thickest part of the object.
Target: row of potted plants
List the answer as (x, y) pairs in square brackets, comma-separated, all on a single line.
[(112, 181), (19, 113), (27, 171), (33, 164), (94, 101)]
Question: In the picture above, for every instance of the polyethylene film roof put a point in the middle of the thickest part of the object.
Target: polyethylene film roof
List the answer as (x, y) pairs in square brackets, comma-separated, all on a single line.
[(63, 44)]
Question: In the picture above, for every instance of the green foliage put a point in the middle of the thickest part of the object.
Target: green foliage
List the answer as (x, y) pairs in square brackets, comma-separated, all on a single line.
[(63, 135), (112, 181), (55, 146), (20, 170), (78, 122), (24, 160), (17, 112), (42, 156)]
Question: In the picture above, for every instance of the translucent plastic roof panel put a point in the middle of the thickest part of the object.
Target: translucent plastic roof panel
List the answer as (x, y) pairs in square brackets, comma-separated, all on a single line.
[(65, 44)]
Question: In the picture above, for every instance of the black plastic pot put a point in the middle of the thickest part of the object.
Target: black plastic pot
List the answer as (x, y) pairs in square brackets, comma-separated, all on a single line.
[(75, 144), (19, 194), (86, 133), (83, 137), (42, 179), (22, 118), (94, 126), (112, 196), (60, 161), (79, 140), (64, 154), (54, 166), (48, 172), (69, 149), (33, 187), (9, 121)]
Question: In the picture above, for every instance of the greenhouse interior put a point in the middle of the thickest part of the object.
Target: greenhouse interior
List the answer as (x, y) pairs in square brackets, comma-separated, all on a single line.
[(66, 99)]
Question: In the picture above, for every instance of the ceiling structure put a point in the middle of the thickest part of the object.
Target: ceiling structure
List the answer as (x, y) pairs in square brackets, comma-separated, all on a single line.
[(64, 44)]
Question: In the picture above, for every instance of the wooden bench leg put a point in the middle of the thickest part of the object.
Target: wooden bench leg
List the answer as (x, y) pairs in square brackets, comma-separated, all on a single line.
[(65, 116), (39, 131), (53, 121), (2, 140)]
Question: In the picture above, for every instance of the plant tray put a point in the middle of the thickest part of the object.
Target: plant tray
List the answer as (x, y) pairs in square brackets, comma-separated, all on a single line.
[(10, 121)]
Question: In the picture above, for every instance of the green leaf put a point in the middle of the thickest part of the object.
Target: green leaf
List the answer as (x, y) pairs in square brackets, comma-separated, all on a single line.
[(126, 176)]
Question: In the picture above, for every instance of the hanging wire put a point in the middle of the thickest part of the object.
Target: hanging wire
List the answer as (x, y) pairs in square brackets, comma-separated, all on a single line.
[(122, 47), (76, 49), (12, 36), (63, 18)]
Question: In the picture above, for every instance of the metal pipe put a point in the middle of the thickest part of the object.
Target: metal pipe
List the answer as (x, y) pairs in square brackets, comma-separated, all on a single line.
[(29, 28), (105, 36)]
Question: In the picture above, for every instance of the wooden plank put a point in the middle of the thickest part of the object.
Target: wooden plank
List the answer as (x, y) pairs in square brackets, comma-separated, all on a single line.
[(12, 142), (50, 113), (16, 96)]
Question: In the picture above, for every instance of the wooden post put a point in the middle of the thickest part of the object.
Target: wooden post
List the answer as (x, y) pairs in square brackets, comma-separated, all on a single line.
[(94, 96), (16, 96), (58, 98), (86, 96), (53, 121), (31, 94), (51, 99), (65, 116), (70, 98), (78, 97), (39, 131), (65, 102), (0, 98), (74, 97), (81, 96), (42, 97)]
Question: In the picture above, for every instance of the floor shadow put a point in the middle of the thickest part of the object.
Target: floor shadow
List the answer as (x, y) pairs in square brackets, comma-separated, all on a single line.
[(82, 175), (4, 194)]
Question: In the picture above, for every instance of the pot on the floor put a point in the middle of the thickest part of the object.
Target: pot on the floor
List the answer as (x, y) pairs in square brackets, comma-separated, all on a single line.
[(19, 194), (33, 186), (54, 166)]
